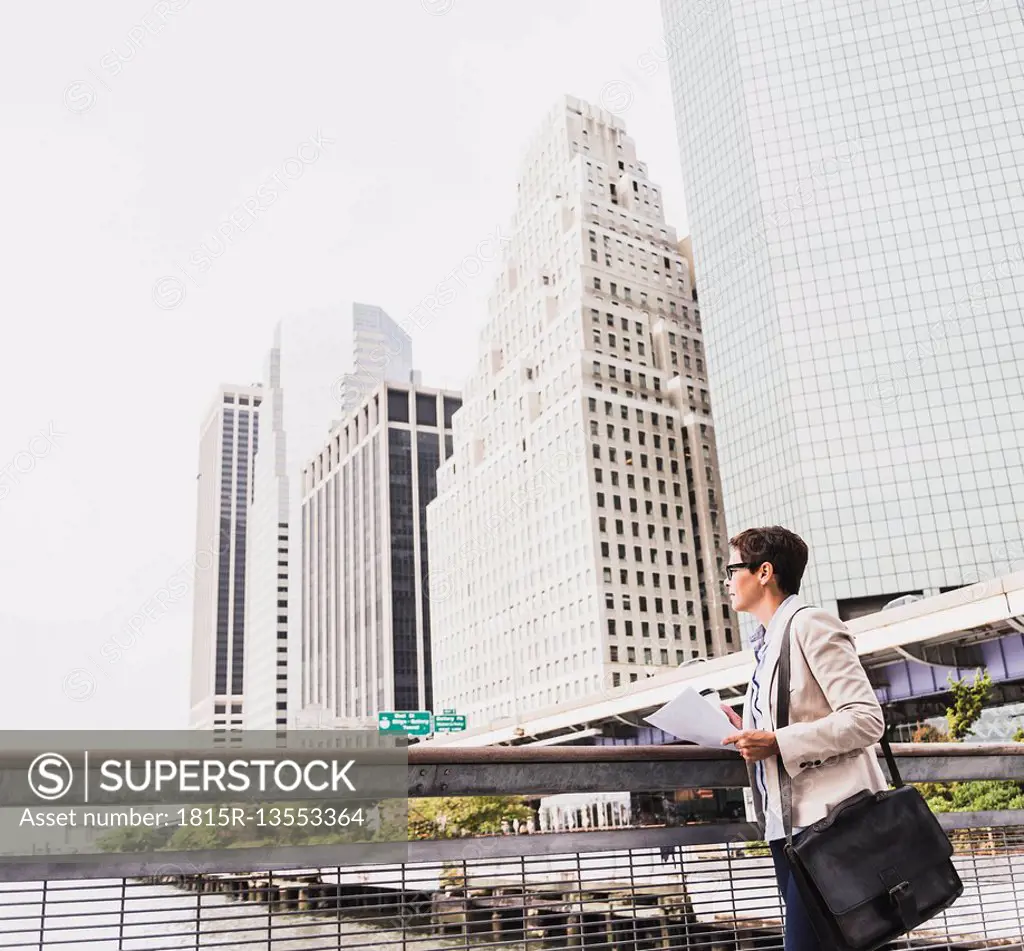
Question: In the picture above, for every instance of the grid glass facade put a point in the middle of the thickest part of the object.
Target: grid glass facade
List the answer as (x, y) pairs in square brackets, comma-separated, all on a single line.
[(852, 174)]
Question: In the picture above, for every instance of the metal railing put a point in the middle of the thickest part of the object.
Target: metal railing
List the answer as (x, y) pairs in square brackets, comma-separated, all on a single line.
[(699, 886)]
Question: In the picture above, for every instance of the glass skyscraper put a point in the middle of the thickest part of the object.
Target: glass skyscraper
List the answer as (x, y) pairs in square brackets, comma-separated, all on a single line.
[(228, 443), (852, 175), (319, 361)]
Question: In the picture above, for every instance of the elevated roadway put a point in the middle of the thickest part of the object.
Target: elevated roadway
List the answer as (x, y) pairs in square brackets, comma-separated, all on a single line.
[(909, 651)]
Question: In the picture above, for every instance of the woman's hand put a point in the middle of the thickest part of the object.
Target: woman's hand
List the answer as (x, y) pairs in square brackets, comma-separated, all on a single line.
[(734, 718), (754, 745)]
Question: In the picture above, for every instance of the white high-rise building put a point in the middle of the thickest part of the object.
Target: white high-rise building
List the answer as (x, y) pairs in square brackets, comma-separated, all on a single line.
[(366, 638), (577, 540), (852, 174), (313, 357), (227, 446)]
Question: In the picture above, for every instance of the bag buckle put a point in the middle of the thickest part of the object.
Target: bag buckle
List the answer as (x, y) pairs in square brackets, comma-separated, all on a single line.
[(903, 900)]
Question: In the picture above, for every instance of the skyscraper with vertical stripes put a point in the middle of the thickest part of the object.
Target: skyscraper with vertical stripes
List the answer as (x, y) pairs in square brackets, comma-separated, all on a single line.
[(320, 361), (366, 642), (227, 447)]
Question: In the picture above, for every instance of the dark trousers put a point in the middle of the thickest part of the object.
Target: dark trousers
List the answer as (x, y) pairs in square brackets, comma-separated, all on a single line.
[(800, 934)]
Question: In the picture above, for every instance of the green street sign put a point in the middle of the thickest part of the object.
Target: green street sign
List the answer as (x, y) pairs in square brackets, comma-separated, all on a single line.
[(449, 722), (412, 722)]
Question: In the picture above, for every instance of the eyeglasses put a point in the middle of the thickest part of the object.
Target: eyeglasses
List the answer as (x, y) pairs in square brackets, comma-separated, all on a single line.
[(730, 570)]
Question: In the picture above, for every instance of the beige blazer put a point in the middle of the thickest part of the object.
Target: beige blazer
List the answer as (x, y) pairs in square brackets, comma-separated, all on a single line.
[(834, 716)]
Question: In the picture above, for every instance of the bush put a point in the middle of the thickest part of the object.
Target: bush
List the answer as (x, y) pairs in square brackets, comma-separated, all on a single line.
[(975, 796)]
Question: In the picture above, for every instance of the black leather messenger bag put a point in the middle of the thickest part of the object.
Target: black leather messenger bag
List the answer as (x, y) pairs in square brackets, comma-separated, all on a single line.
[(877, 866)]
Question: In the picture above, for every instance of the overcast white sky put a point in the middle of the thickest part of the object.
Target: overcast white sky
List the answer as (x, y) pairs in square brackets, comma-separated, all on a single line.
[(114, 177)]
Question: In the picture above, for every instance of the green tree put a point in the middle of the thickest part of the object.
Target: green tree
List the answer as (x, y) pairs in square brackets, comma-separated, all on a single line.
[(190, 838), (987, 795), (448, 817), (139, 839), (392, 821), (968, 703), (975, 796)]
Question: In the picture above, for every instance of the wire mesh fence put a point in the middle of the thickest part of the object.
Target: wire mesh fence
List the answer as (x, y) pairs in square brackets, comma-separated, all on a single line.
[(695, 885), (714, 896)]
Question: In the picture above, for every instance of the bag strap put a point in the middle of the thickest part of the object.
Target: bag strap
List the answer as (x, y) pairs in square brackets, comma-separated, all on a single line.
[(782, 720)]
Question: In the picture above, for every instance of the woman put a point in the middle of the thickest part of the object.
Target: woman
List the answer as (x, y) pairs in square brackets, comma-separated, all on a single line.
[(834, 717)]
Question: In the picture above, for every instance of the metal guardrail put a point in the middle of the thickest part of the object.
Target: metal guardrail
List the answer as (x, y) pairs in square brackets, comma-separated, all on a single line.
[(505, 770), (706, 886), (497, 771)]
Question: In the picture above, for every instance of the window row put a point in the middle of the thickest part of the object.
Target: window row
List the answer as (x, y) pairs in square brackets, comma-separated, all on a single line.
[(655, 578), (597, 450), (638, 554), (624, 410), (648, 504), (595, 430), (628, 460), (626, 603), (645, 629), (602, 526), (613, 655)]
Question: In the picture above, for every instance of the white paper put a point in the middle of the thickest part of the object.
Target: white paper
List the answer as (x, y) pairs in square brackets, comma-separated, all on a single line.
[(690, 717)]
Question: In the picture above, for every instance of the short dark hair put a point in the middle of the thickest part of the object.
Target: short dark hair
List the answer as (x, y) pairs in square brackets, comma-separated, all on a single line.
[(786, 551)]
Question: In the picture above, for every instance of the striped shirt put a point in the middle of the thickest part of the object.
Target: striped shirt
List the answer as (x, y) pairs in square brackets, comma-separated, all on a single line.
[(774, 828)]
